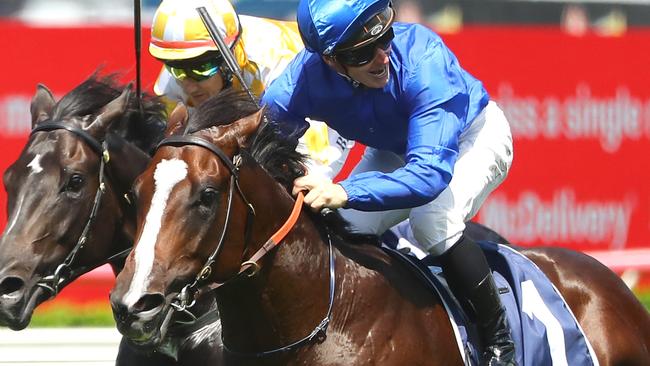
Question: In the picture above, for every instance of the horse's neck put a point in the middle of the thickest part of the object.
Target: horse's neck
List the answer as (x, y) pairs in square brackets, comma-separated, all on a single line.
[(290, 295), (286, 300), (126, 163)]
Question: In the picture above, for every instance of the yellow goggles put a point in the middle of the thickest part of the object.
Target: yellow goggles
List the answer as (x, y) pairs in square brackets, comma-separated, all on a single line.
[(195, 71)]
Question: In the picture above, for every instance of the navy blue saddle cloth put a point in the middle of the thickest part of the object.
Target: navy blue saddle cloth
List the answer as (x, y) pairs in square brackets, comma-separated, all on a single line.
[(544, 329)]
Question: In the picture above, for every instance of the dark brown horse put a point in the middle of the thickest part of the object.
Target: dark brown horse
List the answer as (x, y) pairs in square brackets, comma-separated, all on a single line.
[(53, 186), (213, 204), (61, 224)]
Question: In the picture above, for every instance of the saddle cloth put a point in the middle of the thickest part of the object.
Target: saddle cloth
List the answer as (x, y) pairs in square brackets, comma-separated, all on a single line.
[(544, 329)]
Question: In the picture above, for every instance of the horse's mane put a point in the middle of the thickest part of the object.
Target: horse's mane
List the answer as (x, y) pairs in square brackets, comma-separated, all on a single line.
[(273, 147), (95, 92)]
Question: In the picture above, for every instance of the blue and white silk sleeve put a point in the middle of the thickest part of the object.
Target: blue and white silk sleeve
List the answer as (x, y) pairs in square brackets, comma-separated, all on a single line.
[(427, 172), (437, 102)]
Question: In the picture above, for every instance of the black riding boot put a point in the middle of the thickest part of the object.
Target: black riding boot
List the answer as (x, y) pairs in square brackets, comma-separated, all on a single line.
[(471, 281)]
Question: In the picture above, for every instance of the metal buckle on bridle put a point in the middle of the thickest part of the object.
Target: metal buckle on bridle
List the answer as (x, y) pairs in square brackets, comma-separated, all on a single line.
[(182, 301), (205, 272), (237, 160), (253, 268), (105, 155), (53, 281), (319, 334)]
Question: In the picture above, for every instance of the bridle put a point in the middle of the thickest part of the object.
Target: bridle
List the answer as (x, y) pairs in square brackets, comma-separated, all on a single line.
[(64, 272), (188, 295)]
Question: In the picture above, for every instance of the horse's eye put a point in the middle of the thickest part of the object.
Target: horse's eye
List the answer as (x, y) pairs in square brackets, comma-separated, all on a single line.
[(75, 183), (209, 197)]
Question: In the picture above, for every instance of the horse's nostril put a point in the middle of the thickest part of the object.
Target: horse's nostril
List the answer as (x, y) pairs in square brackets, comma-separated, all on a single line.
[(120, 311), (10, 285), (148, 302)]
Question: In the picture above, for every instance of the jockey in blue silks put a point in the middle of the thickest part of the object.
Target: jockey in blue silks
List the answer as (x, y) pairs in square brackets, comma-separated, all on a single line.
[(436, 144)]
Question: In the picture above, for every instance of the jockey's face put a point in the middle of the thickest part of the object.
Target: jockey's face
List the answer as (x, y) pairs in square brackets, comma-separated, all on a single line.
[(199, 77), (199, 91), (374, 74)]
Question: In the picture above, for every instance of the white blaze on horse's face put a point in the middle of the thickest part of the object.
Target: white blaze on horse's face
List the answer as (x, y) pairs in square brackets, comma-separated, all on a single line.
[(168, 173), (35, 167), (35, 164)]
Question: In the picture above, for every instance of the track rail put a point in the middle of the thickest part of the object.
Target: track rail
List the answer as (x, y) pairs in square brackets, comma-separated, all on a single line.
[(59, 346)]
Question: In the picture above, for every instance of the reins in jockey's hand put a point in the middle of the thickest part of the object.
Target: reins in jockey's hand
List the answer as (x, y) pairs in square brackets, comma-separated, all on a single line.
[(64, 272)]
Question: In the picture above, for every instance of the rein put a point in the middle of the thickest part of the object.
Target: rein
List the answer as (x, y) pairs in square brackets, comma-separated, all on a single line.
[(186, 298), (64, 273)]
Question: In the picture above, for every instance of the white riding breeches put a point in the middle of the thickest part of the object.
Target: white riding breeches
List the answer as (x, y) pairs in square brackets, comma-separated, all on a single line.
[(484, 159)]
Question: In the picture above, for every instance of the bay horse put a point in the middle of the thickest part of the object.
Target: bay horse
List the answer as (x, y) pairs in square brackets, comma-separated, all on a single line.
[(68, 208), (215, 220)]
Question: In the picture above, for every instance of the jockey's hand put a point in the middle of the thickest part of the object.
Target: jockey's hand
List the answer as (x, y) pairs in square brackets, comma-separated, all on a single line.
[(321, 192)]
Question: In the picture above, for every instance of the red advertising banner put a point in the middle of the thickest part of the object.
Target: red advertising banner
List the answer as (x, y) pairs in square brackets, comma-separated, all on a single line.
[(579, 109)]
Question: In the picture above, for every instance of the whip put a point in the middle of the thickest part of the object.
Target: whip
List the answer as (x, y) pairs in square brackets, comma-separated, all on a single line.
[(226, 52)]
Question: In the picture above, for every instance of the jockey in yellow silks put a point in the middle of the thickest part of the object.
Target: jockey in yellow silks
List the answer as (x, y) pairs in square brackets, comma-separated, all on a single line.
[(194, 69)]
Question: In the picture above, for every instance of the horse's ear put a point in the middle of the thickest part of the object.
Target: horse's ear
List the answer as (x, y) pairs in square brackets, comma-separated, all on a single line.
[(177, 120), (247, 126), (42, 105), (116, 108)]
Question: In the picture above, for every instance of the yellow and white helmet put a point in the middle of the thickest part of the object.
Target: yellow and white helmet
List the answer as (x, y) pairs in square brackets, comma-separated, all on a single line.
[(178, 33)]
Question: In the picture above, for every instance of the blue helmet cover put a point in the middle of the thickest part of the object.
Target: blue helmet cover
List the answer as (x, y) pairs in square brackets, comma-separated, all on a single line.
[(324, 24)]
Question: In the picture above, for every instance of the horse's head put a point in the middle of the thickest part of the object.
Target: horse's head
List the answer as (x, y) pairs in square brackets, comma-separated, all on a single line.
[(60, 222), (193, 216)]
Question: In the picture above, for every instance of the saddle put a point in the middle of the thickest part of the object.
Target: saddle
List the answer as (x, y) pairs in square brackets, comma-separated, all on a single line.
[(545, 331)]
